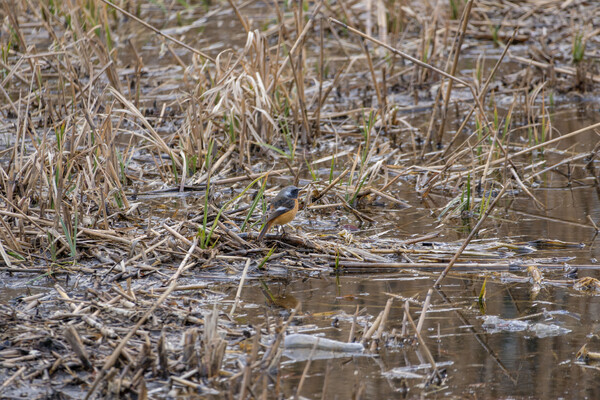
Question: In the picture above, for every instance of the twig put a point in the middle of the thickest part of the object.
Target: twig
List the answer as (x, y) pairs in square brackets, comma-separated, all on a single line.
[(332, 184), (420, 339), (10, 380)]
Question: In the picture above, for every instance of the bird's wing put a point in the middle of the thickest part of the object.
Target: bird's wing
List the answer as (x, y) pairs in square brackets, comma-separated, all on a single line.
[(279, 211)]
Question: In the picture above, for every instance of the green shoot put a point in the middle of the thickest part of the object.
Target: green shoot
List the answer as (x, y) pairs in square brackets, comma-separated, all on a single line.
[(15, 255), (454, 9), (209, 154), (258, 197), (266, 258), (481, 298), (331, 169), (53, 249), (174, 169), (119, 200), (485, 203), (495, 29), (337, 271), (466, 196), (71, 237), (359, 187), (202, 232), (123, 177), (366, 131), (184, 4), (311, 171), (578, 47), (192, 164), (267, 291)]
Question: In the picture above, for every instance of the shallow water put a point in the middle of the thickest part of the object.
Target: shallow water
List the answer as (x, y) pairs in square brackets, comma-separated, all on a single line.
[(485, 364)]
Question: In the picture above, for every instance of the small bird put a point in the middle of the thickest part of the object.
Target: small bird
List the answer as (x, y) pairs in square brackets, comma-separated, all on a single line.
[(282, 210)]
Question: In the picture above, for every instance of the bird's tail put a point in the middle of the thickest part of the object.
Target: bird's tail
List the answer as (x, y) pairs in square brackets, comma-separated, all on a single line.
[(264, 231)]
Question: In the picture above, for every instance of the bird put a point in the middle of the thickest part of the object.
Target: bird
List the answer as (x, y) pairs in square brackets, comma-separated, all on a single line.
[(282, 210)]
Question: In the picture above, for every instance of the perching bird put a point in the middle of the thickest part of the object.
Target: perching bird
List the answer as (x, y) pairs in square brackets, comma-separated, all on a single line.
[(282, 210)]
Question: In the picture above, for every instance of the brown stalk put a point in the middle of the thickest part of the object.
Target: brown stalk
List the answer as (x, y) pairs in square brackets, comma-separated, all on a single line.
[(303, 112), (424, 310), (306, 369), (317, 113), (239, 16), (14, 377), (381, 327), (299, 42), (456, 49), (380, 100), (421, 341)]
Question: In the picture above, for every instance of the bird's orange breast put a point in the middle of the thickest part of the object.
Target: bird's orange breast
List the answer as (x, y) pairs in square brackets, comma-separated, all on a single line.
[(288, 216)]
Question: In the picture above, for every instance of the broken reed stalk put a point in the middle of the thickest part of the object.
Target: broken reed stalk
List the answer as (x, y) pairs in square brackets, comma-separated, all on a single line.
[(384, 318), (353, 327), (10, 380), (474, 231), (78, 347), (421, 341), (369, 332), (424, 310), (306, 369), (326, 379), (537, 203), (239, 291)]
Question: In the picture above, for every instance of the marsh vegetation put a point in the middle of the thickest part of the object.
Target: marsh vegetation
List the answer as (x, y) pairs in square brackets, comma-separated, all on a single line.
[(446, 244)]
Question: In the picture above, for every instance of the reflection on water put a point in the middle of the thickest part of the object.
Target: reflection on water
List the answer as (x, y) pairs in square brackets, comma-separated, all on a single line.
[(482, 362)]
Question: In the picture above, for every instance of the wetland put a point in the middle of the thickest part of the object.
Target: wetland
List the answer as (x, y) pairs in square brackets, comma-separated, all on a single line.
[(446, 243)]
